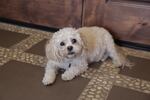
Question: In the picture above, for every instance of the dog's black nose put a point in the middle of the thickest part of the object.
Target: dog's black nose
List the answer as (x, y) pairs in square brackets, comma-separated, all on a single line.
[(69, 48)]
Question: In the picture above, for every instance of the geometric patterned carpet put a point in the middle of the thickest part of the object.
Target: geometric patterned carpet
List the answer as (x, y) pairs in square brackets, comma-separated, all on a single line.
[(22, 61)]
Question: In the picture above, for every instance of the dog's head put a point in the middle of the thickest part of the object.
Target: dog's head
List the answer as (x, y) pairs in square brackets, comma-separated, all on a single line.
[(65, 43)]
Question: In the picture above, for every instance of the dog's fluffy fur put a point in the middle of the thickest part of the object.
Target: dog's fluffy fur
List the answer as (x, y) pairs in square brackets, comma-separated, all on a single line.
[(88, 44)]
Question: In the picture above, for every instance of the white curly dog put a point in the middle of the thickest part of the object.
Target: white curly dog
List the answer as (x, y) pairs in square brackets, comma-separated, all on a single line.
[(73, 49)]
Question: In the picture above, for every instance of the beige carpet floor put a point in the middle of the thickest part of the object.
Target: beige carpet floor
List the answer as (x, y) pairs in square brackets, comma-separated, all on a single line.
[(22, 60)]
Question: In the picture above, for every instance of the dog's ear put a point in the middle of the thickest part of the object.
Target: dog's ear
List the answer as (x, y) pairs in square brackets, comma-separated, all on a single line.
[(83, 40), (51, 51), (88, 38)]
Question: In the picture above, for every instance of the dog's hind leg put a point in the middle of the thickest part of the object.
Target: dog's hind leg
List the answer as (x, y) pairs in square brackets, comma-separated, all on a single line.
[(105, 56), (118, 58), (112, 51)]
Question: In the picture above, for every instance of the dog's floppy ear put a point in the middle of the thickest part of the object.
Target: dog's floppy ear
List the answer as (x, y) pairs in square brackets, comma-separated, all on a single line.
[(88, 38), (51, 51), (83, 39)]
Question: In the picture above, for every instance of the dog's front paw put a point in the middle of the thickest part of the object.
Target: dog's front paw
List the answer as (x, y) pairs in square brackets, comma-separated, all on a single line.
[(48, 80), (67, 76)]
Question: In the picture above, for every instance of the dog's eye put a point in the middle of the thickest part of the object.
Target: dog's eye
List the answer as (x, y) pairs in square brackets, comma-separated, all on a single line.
[(62, 43), (73, 41)]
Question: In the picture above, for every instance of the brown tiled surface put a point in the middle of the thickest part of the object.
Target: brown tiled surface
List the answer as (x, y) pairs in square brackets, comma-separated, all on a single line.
[(39, 48), (119, 93), (140, 70), (8, 38), (95, 65), (20, 81), (22, 62)]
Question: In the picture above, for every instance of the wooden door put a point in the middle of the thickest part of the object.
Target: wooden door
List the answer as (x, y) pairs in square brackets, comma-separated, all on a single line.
[(128, 20), (51, 13)]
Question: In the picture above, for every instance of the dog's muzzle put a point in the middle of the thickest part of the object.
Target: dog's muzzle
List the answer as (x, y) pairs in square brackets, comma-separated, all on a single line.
[(70, 48), (71, 53)]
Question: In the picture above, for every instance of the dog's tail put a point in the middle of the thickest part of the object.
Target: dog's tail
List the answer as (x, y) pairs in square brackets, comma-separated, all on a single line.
[(119, 58), (124, 61)]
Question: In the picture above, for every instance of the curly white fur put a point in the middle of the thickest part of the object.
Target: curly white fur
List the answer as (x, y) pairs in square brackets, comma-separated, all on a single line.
[(92, 45)]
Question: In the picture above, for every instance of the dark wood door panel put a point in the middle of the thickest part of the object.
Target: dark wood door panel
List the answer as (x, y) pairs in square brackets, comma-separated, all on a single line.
[(93, 12), (51, 13), (128, 21), (141, 1)]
